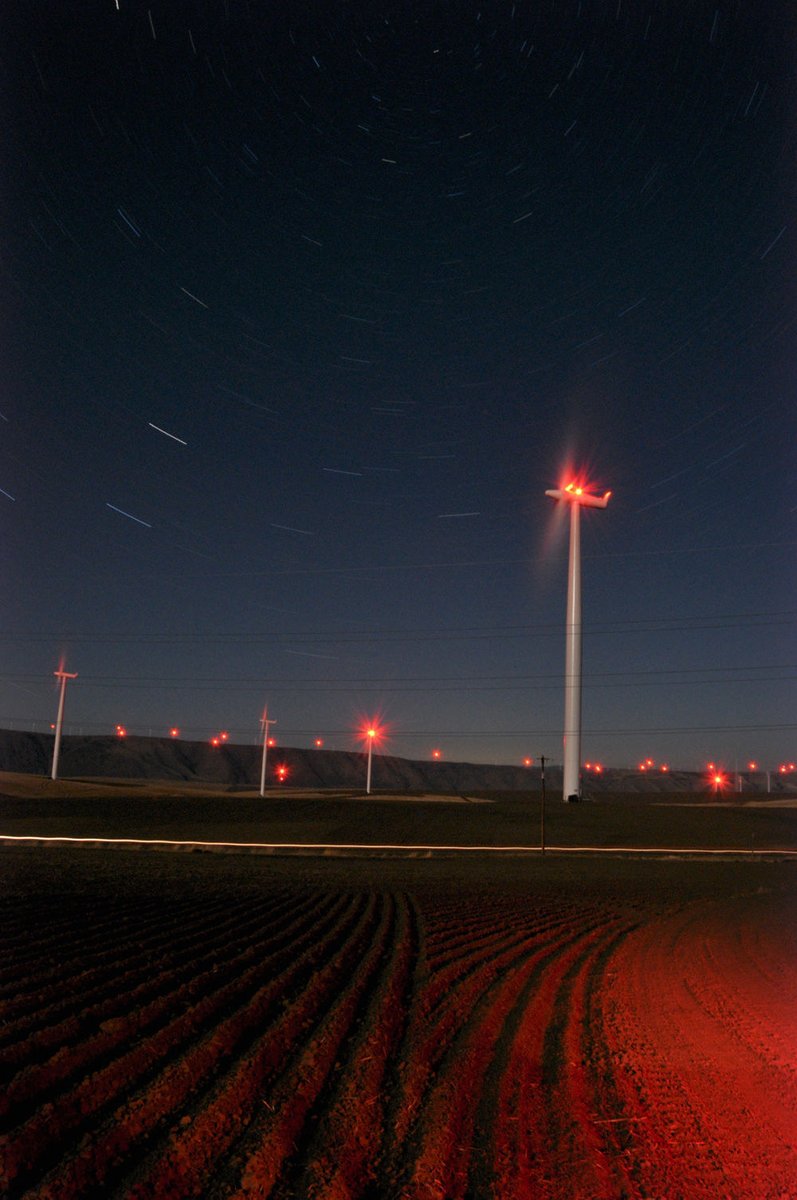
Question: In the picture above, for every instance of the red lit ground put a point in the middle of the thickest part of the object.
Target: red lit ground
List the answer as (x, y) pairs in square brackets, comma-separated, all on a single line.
[(223, 1026)]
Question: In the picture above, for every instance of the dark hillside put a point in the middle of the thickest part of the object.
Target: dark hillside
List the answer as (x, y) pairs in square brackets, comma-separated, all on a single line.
[(238, 766)]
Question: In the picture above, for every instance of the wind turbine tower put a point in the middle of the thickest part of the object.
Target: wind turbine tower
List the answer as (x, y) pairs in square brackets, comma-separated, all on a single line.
[(577, 498)]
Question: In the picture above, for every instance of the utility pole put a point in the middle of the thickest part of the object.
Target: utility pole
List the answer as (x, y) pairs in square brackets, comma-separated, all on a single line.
[(542, 804), (59, 720), (577, 497), (265, 722)]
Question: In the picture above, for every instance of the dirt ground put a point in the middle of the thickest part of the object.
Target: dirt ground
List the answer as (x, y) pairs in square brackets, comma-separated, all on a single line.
[(231, 1025)]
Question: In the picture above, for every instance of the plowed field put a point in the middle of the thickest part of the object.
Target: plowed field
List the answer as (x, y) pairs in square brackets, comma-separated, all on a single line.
[(251, 1029)]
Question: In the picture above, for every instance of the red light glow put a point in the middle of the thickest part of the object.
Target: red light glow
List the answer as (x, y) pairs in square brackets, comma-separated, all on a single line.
[(527, 762), (436, 754), (664, 768), (174, 732), (319, 742), (282, 772), (121, 731), (272, 741), (371, 730)]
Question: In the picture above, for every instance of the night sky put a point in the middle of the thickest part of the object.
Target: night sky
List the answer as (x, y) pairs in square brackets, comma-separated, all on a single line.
[(306, 305)]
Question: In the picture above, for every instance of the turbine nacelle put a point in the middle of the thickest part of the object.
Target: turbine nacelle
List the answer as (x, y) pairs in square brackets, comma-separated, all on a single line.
[(578, 495)]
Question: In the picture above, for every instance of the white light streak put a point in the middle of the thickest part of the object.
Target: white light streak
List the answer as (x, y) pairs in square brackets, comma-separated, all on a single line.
[(337, 471), (128, 222), (129, 516), (452, 516), (191, 296), (5, 493), (166, 433), (403, 849), (774, 242), (293, 529)]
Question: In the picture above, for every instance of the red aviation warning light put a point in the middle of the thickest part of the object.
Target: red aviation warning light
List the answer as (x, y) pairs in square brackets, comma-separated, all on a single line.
[(282, 772), (577, 493), (121, 731), (436, 754), (174, 732), (527, 762), (319, 743)]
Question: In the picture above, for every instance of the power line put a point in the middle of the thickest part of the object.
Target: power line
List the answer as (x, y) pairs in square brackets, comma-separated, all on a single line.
[(458, 564), (396, 735), (467, 633), (324, 687)]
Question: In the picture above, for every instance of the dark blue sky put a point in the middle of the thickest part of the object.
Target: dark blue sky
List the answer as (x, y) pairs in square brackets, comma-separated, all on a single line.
[(304, 312)]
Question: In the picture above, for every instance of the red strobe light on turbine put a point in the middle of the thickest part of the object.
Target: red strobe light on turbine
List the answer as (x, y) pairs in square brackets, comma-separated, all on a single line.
[(575, 495)]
